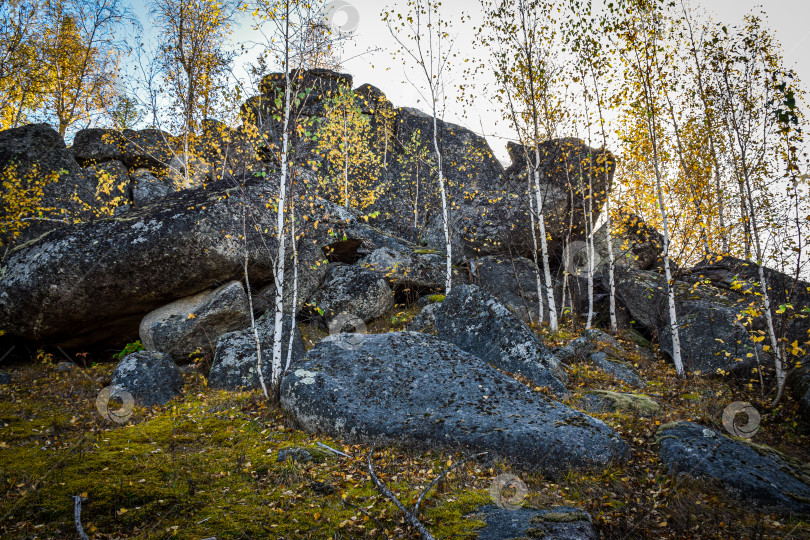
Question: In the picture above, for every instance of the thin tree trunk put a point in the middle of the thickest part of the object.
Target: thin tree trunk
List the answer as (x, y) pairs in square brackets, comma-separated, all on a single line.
[(538, 279), (294, 308), (614, 327), (651, 116), (445, 213), (256, 339), (278, 274), (552, 310)]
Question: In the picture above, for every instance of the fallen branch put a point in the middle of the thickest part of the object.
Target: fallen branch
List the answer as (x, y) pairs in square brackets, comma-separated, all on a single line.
[(414, 521), (77, 516), (382, 527), (338, 452), (441, 477)]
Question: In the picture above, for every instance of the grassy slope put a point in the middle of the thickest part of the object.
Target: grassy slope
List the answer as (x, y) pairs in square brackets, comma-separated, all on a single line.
[(205, 465)]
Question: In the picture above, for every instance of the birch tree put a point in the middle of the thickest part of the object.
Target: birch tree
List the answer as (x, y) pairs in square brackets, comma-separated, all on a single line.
[(192, 61), (78, 53), (287, 29), (423, 37), (525, 70), (640, 26), (351, 167)]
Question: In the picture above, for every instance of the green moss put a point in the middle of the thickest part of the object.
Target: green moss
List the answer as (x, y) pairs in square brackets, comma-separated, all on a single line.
[(436, 298), (536, 532), (560, 517), (206, 466), (638, 339), (425, 251), (668, 425), (639, 403)]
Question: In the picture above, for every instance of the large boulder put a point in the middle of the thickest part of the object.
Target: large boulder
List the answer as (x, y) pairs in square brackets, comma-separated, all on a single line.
[(34, 155), (148, 188), (352, 290), (97, 145), (149, 148), (753, 473), (410, 273), (513, 281), (151, 377), (412, 388), (410, 189), (113, 187), (742, 277), (94, 282), (477, 323), (635, 244), (713, 340), (558, 523), (235, 360), (195, 323)]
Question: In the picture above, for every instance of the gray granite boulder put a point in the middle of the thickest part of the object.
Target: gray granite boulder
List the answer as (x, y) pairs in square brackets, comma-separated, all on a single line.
[(195, 323), (477, 323), (148, 188), (512, 280), (36, 152), (419, 273), (559, 523), (753, 473), (415, 389), (713, 338), (235, 359), (353, 290), (617, 369), (151, 377), (425, 320), (97, 145), (635, 244)]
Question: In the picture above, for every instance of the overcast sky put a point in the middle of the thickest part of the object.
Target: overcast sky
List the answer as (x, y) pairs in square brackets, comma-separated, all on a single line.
[(788, 19)]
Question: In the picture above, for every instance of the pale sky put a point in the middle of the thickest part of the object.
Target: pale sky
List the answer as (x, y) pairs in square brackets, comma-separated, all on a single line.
[(787, 18)]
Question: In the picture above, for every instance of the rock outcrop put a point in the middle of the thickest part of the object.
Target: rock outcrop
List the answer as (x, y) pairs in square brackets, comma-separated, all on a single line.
[(194, 324), (354, 291), (414, 388), (558, 523), (151, 377), (751, 472), (477, 323), (235, 364), (713, 340)]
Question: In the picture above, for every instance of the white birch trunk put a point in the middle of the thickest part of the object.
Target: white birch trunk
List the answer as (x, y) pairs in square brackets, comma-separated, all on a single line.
[(538, 278), (589, 248), (278, 274), (673, 315), (552, 310), (445, 214), (295, 291), (614, 327)]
